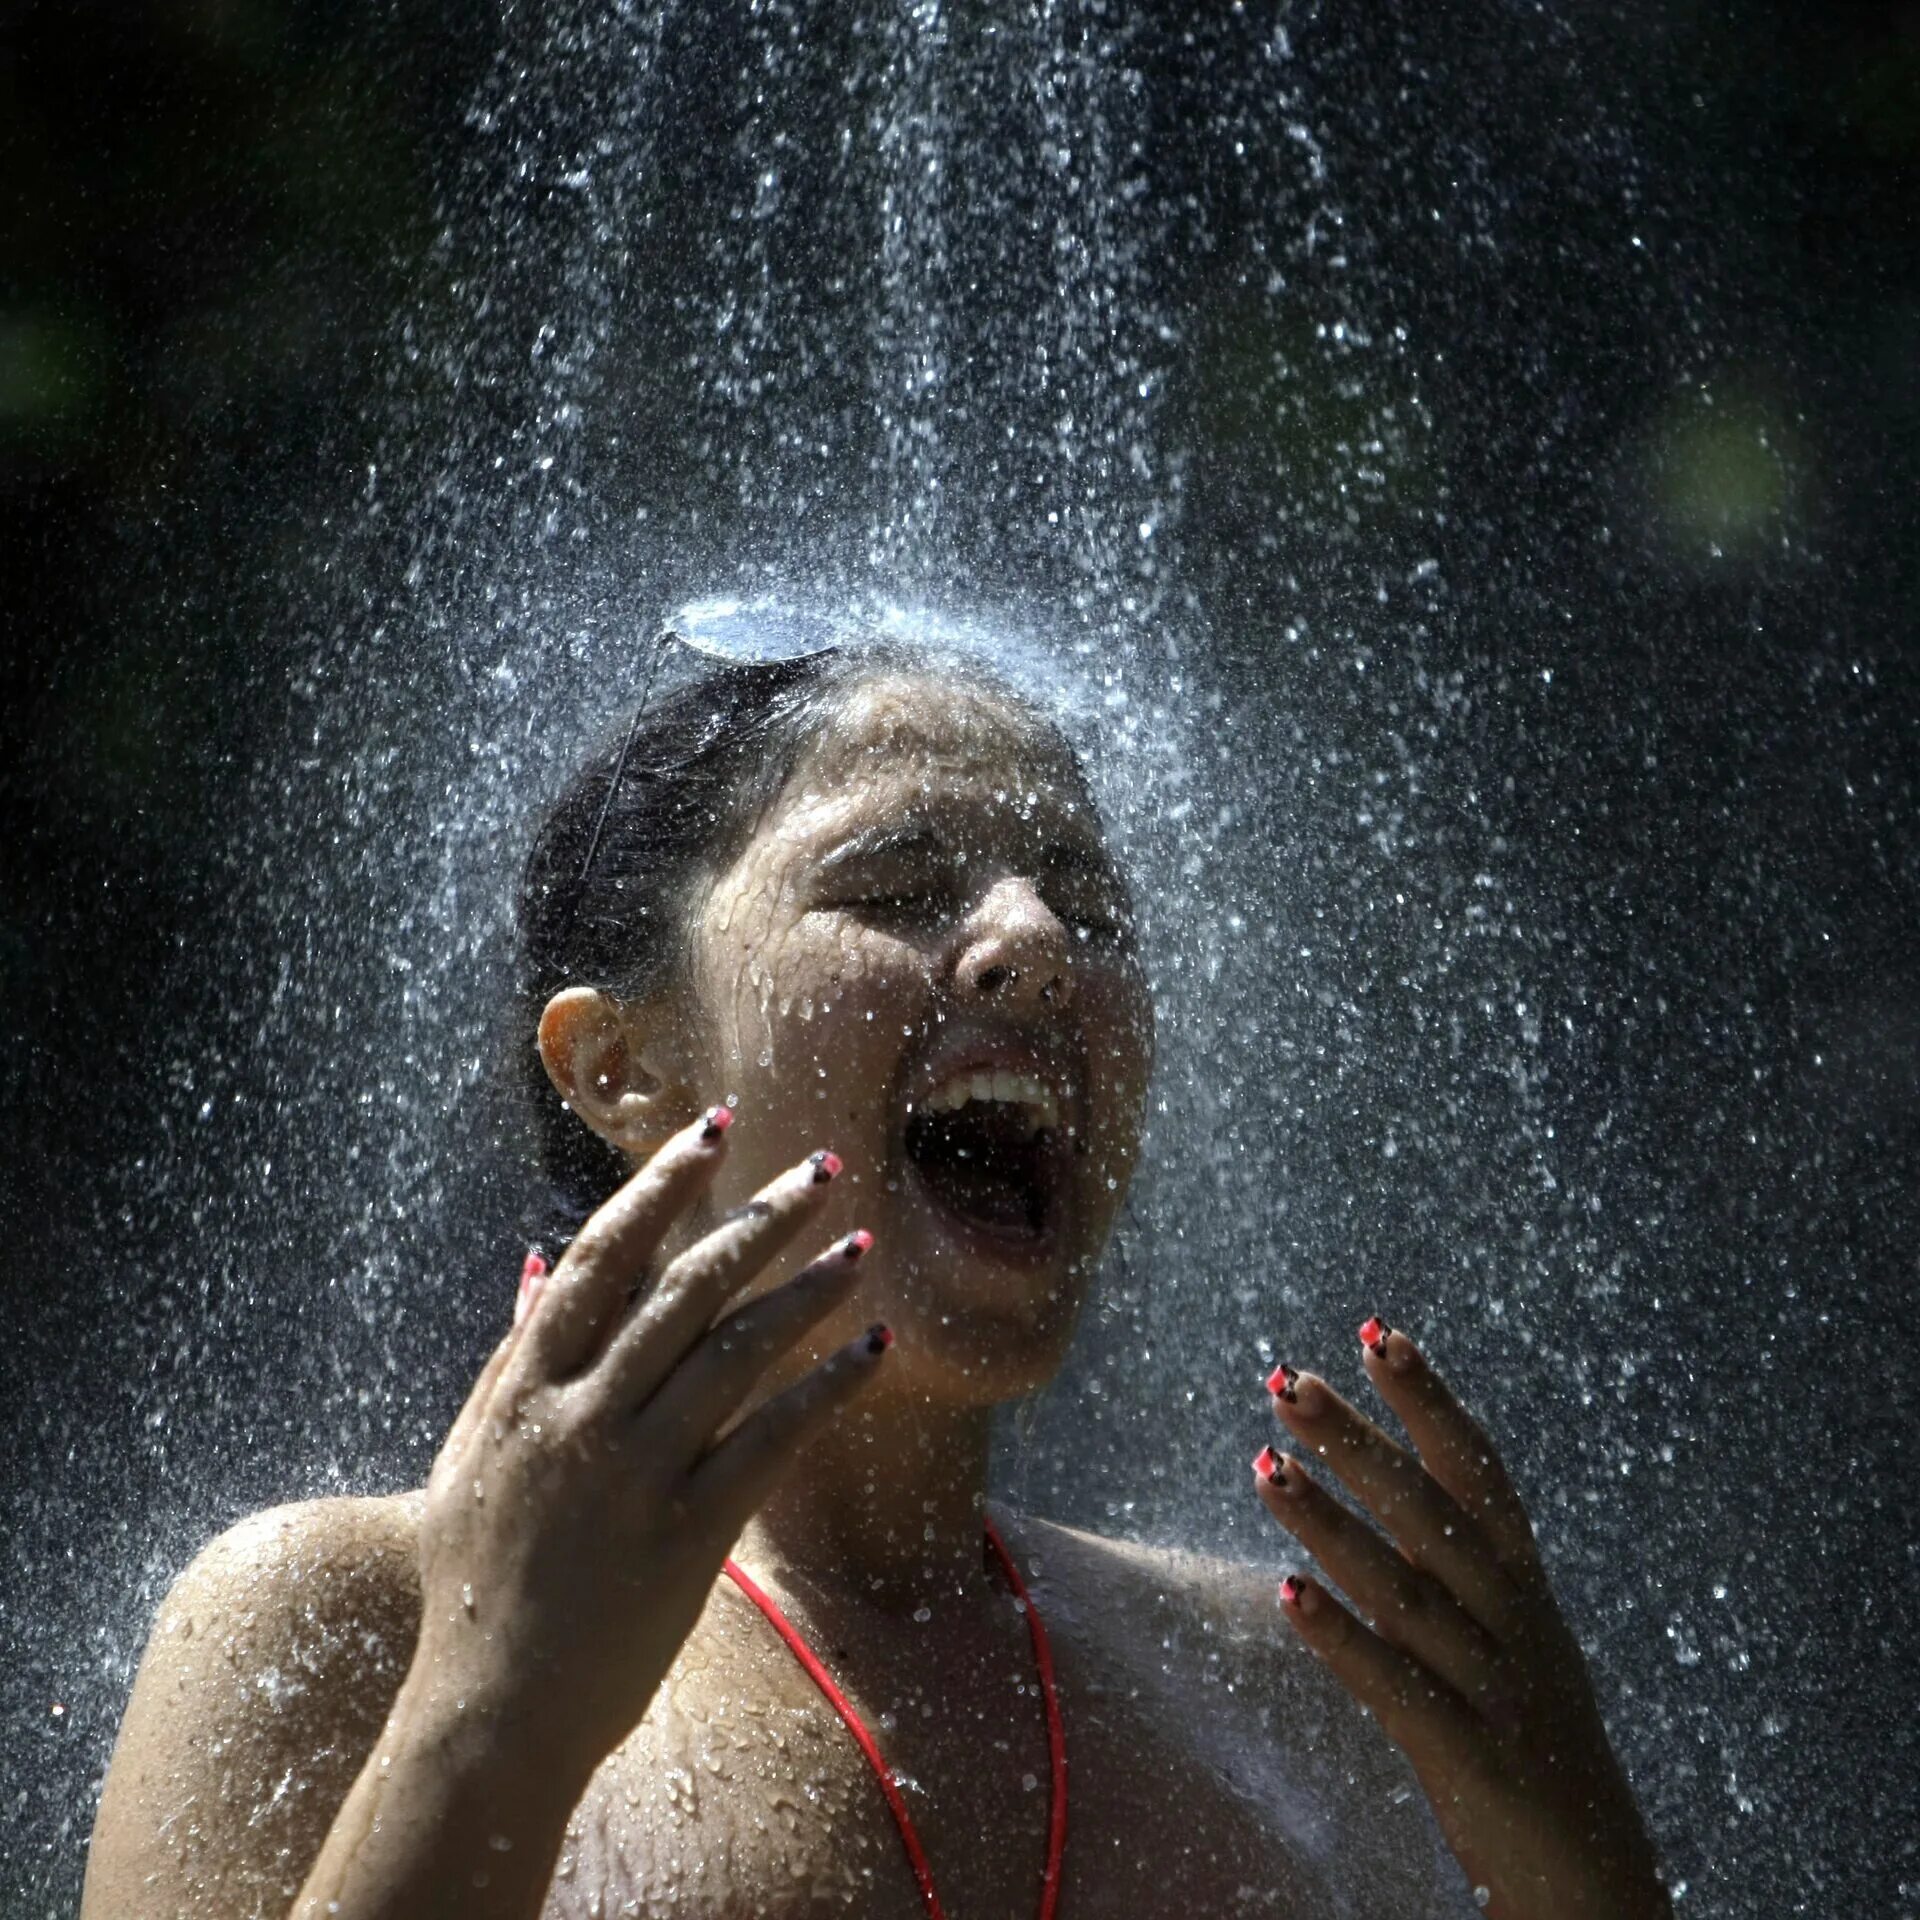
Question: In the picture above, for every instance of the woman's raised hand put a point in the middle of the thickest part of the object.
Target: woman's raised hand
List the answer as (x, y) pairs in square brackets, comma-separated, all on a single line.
[(585, 1499), (1467, 1664)]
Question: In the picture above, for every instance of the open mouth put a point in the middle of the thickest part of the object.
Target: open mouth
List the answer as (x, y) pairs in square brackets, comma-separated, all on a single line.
[(986, 1146)]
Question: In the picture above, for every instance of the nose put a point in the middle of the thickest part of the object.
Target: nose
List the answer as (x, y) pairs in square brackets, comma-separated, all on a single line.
[(1016, 957)]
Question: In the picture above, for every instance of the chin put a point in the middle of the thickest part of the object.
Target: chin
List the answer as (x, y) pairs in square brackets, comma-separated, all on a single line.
[(996, 1328)]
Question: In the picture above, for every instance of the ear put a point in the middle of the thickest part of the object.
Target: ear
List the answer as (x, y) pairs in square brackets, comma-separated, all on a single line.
[(620, 1065)]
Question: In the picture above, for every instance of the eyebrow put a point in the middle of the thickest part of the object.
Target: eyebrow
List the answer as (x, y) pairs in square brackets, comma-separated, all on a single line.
[(914, 840), (901, 839)]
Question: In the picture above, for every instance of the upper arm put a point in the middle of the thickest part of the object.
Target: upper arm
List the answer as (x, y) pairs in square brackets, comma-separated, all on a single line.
[(267, 1677)]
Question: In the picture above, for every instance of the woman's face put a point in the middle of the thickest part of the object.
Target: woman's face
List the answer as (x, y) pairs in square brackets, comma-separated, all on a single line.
[(924, 961)]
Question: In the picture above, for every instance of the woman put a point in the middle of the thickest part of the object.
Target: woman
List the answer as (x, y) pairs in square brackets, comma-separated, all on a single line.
[(859, 903)]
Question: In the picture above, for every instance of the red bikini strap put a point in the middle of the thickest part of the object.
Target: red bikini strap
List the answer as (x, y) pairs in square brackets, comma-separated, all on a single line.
[(890, 1786), (824, 1681), (1056, 1732)]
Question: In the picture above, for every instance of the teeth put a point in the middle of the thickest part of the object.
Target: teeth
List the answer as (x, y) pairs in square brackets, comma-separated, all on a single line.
[(1011, 1089)]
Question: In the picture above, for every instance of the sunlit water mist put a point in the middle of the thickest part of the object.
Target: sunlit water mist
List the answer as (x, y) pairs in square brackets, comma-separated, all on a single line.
[(1121, 340)]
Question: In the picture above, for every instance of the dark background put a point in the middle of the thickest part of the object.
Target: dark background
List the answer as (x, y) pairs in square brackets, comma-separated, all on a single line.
[(1685, 623)]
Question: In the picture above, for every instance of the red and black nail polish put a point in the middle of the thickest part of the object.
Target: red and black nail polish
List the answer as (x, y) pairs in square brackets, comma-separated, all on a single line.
[(1291, 1590), (1280, 1381), (533, 1275), (825, 1165), (856, 1243), (1266, 1464), (719, 1119), (1373, 1336), (879, 1337)]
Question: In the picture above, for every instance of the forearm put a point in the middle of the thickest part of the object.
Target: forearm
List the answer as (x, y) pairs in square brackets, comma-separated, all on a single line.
[(458, 1814)]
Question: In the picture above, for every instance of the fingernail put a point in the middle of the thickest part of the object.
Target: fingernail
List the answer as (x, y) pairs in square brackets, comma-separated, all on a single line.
[(533, 1270), (719, 1119), (879, 1337), (1266, 1463), (1295, 1592), (1373, 1336), (856, 1243), (825, 1165), (1281, 1380)]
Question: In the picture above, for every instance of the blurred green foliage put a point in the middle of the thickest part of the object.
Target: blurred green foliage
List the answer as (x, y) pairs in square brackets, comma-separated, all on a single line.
[(51, 377), (1723, 472)]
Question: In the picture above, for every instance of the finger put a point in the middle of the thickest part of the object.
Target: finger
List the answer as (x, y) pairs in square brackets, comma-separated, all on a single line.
[(1417, 1710), (1409, 1609), (467, 1421), (1454, 1447), (590, 1287), (1426, 1522), (659, 1334), (725, 1487), (706, 1389)]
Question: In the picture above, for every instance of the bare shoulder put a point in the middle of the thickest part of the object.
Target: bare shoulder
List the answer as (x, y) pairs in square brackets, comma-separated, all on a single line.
[(1236, 1596), (338, 1551), (1163, 1620), (1168, 1610), (268, 1673), (1201, 1643)]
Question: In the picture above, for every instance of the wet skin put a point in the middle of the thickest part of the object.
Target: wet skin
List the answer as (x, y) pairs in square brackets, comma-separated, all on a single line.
[(929, 881), (929, 890)]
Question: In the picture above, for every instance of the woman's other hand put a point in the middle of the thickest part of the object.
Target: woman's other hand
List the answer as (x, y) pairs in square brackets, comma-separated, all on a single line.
[(585, 1499), (1466, 1663)]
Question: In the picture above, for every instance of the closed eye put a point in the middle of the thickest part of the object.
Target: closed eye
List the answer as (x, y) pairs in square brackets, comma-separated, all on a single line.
[(1090, 912), (897, 905)]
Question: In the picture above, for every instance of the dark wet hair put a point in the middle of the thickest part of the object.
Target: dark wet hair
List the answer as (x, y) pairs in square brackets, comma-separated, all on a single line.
[(704, 764)]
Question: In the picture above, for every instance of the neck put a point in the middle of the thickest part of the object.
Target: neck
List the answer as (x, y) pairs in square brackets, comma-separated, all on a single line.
[(883, 1515)]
